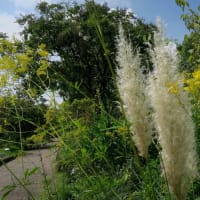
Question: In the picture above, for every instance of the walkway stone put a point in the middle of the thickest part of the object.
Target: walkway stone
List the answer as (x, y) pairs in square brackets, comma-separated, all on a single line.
[(35, 158)]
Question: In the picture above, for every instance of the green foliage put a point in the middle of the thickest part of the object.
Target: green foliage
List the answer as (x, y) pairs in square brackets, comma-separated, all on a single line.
[(182, 4), (24, 182), (189, 52), (17, 61), (105, 168), (70, 33), (190, 48), (97, 160), (90, 156), (195, 190), (97, 146), (13, 62), (196, 118), (192, 87), (190, 62), (19, 119), (71, 49), (63, 118), (21, 112)]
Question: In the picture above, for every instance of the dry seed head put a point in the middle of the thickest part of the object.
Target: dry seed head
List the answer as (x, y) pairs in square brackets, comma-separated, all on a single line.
[(131, 86), (172, 117)]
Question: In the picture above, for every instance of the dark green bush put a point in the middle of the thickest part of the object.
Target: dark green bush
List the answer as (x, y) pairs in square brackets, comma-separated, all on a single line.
[(19, 119)]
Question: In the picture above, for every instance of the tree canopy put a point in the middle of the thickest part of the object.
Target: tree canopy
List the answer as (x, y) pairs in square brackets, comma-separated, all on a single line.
[(80, 40), (190, 49)]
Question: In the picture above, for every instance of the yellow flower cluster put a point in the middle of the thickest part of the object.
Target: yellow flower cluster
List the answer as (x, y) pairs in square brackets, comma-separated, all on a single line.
[(44, 64), (41, 51), (193, 84), (12, 62)]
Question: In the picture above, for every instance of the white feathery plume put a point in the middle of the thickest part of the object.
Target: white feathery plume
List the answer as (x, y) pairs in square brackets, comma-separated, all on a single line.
[(131, 84), (172, 117)]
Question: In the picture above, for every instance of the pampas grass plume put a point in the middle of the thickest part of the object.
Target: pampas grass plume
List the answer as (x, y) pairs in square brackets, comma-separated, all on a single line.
[(131, 86), (172, 117)]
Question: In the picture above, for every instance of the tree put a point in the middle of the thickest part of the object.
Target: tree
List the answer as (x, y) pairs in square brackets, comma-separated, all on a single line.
[(190, 48), (19, 119), (3, 35), (79, 67), (190, 52), (20, 111)]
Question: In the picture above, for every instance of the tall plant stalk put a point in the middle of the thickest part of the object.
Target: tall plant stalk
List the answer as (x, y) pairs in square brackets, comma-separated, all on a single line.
[(131, 84), (172, 117)]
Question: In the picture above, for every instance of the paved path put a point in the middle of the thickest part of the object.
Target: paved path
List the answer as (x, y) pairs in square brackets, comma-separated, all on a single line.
[(35, 158)]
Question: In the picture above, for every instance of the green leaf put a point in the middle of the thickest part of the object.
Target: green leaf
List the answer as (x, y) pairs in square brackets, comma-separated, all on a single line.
[(84, 152), (144, 38), (28, 172), (182, 4), (9, 189)]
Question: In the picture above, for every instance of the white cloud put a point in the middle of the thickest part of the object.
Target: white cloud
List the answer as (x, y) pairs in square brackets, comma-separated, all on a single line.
[(8, 25), (7, 21)]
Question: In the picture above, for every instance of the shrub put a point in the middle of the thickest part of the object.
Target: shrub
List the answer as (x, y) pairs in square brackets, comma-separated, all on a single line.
[(19, 119)]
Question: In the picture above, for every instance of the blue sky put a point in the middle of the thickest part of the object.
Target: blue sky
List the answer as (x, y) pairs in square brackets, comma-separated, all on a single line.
[(149, 10)]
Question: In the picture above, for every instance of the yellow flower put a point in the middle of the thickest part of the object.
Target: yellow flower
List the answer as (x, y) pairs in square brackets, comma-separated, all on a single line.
[(42, 70), (173, 88), (42, 46), (43, 53), (193, 84), (108, 133), (122, 130), (196, 75)]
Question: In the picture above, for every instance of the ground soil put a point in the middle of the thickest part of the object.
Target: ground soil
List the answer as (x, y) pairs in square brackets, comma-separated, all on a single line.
[(43, 159)]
